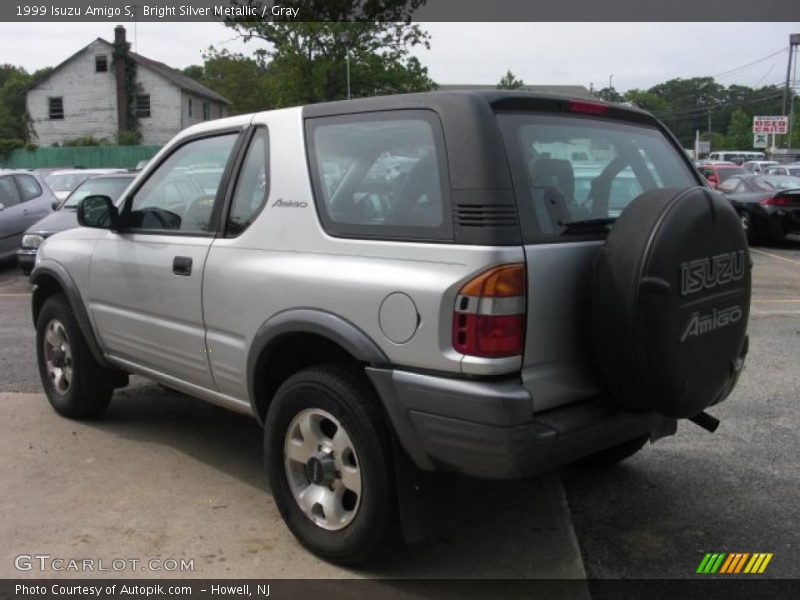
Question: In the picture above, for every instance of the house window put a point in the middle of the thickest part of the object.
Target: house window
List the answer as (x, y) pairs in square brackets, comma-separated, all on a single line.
[(191, 111), (101, 63), (206, 111), (142, 105), (56, 107), (219, 109)]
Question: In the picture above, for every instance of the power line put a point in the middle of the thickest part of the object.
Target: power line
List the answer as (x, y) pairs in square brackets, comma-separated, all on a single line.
[(701, 110), (750, 64), (772, 66)]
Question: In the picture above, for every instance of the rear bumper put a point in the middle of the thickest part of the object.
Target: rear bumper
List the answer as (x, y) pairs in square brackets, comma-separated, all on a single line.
[(776, 221), (488, 429)]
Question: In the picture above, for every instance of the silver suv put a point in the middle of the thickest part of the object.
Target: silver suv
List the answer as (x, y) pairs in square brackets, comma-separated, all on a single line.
[(492, 284)]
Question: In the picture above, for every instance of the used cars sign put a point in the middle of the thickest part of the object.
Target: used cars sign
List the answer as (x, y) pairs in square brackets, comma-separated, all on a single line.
[(777, 124)]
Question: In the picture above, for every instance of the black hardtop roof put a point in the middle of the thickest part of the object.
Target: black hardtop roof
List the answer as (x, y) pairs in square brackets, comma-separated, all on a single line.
[(496, 99), (469, 125)]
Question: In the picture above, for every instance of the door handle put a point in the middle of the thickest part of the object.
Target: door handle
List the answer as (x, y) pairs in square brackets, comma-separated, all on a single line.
[(182, 265)]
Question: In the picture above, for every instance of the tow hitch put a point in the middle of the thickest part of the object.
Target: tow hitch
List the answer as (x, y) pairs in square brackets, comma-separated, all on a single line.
[(706, 421)]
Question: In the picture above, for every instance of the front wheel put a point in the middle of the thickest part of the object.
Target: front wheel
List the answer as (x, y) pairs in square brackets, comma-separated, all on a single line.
[(329, 462), (75, 384)]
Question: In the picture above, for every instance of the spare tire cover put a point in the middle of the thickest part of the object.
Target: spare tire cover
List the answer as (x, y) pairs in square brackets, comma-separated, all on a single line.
[(671, 300)]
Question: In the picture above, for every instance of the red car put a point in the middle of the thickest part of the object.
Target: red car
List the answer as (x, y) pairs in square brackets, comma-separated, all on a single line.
[(716, 174)]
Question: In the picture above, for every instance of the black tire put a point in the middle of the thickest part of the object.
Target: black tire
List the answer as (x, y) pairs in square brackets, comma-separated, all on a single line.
[(343, 393), (90, 387), (613, 455), (753, 237)]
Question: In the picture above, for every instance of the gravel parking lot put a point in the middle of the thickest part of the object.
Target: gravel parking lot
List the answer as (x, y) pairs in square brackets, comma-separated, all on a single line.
[(162, 475)]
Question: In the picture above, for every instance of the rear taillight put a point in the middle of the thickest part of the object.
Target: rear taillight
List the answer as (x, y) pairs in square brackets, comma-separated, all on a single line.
[(778, 201), (489, 316)]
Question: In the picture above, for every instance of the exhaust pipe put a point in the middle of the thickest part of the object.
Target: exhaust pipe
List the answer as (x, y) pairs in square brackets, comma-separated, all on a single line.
[(706, 421)]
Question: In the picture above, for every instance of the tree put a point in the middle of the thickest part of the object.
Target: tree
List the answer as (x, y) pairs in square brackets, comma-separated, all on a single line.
[(14, 120), (689, 102), (609, 94), (647, 101), (307, 60), (740, 131), (194, 71), (510, 82), (245, 81)]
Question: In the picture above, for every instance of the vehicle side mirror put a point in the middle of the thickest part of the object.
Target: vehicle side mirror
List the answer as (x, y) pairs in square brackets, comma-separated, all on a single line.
[(98, 212), (55, 204), (2, 206)]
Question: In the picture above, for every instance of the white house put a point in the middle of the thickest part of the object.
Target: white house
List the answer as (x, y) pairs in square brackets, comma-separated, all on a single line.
[(86, 95)]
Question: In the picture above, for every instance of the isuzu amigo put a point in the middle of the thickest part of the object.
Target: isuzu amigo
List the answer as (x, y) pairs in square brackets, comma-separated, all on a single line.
[(492, 284)]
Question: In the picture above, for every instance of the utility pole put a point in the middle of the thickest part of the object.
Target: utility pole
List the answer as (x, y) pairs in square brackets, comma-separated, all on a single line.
[(610, 82), (794, 42), (344, 38), (347, 58)]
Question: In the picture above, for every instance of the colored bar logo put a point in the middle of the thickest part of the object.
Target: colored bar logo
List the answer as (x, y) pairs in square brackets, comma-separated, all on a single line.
[(734, 563)]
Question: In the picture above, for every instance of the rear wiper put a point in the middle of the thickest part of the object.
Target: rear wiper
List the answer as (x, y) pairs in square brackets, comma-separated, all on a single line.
[(587, 225)]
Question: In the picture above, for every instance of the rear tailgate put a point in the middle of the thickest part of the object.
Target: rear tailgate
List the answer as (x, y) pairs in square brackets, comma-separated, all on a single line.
[(576, 165)]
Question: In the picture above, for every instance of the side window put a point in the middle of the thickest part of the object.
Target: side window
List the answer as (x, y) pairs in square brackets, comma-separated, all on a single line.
[(173, 198), (29, 186), (380, 176), (9, 195), (252, 186)]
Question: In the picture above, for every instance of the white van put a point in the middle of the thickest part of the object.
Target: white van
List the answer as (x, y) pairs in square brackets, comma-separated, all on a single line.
[(737, 156)]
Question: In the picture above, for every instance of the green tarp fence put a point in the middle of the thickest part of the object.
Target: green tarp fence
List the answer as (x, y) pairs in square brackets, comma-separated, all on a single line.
[(78, 156)]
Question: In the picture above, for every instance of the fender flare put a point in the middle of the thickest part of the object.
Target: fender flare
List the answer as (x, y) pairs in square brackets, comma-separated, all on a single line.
[(309, 320), (56, 271)]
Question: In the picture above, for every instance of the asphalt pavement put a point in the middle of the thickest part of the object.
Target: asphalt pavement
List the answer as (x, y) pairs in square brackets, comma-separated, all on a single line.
[(736, 490), (164, 474), (166, 477)]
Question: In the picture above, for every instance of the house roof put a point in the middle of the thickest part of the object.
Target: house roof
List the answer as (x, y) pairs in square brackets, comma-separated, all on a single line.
[(564, 90), (179, 79), (172, 75)]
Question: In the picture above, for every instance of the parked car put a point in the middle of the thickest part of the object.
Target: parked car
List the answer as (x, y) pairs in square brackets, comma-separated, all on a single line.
[(717, 173), (45, 172), (791, 169), (64, 182), (737, 156), (24, 199), (705, 162), (768, 205), (65, 215), (757, 166), (462, 312)]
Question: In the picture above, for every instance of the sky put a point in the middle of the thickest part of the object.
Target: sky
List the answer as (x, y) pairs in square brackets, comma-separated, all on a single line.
[(635, 55)]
